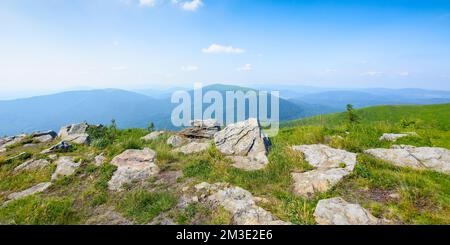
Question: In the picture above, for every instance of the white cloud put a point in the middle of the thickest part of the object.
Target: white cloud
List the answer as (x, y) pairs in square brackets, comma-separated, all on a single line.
[(403, 73), (147, 3), (330, 70), (246, 67), (220, 49), (189, 68), (191, 5), (372, 73)]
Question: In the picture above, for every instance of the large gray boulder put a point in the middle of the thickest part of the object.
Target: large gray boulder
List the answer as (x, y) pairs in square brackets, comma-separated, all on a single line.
[(65, 166), (133, 165), (336, 211), (245, 143), (30, 191), (239, 203), (75, 133), (331, 166), (432, 158)]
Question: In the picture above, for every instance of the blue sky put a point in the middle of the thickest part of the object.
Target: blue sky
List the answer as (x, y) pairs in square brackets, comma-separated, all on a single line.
[(48, 45)]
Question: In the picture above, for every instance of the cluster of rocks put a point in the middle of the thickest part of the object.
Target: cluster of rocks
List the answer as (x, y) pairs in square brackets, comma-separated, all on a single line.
[(331, 165), (238, 202), (433, 158), (12, 140)]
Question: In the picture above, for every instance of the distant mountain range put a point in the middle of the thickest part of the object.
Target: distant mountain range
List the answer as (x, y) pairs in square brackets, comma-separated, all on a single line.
[(137, 109)]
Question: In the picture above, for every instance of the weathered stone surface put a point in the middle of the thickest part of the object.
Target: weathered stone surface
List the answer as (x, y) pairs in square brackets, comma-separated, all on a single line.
[(99, 160), (43, 137), (75, 133), (331, 166), (153, 135), (30, 191), (193, 147), (8, 141), (133, 165), (394, 137), (32, 165), (176, 141), (61, 146), (207, 123), (433, 158), (336, 211), (245, 142), (240, 203), (201, 129), (310, 182), (65, 166)]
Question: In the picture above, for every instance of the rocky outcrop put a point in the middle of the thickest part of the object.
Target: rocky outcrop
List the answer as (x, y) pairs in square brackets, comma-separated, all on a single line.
[(62, 146), (245, 143), (336, 211), (32, 165), (30, 191), (201, 129), (395, 137), (432, 158), (133, 165), (12, 140), (176, 141), (75, 133), (238, 202), (65, 166), (193, 147), (44, 137), (153, 135), (331, 166)]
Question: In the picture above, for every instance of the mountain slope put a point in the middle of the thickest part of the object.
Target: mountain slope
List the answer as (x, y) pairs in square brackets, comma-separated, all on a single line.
[(428, 115), (95, 106)]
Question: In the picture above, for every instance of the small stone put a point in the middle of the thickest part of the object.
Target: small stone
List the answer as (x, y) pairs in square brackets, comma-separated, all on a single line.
[(395, 137), (175, 141), (61, 146), (99, 160)]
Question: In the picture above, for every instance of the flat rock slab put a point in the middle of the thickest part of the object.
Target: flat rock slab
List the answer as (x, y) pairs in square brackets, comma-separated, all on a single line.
[(336, 211), (395, 137), (432, 158), (61, 146), (319, 180), (153, 135), (332, 165), (193, 147), (240, 203), (43, 137), (133, 165), (32, 165), (324, 157), (8, 141), (30, 191), (245, 142), (65, 166)]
